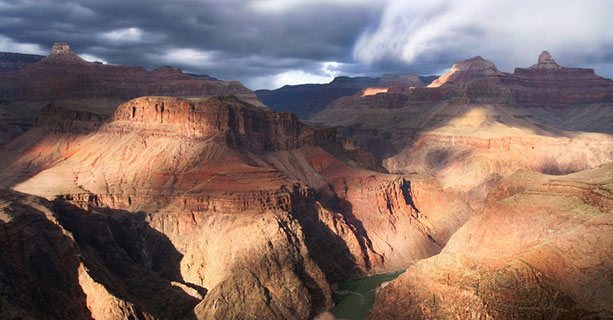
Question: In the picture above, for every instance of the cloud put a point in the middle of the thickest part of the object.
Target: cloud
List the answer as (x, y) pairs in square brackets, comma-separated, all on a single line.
[(326, 72), (123, 35), (187, 57), (8, 45), (265, 42), (511, 33), (90, 58)]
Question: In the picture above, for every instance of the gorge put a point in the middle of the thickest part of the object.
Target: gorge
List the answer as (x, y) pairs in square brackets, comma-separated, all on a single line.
[(135, 194)]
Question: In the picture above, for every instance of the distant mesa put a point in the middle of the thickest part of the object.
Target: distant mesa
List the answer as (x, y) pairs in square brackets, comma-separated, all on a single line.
[(61, 52)]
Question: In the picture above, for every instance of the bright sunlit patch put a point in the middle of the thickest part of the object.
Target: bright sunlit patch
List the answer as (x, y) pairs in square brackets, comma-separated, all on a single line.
[(373, 91)]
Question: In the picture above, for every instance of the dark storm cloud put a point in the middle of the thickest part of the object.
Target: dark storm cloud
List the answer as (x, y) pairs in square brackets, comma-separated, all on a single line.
[(242, 39), (267, 43)]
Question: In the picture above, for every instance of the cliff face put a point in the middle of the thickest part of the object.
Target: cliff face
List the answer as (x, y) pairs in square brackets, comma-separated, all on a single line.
[(263, 211), (243, 126), (540, 249)]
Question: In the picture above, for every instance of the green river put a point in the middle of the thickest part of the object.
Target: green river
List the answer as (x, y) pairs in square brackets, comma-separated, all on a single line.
[(355, 297)]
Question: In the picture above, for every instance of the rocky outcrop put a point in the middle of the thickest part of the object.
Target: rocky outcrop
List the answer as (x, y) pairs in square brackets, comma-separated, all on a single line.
[(546, 61), (539, 251)]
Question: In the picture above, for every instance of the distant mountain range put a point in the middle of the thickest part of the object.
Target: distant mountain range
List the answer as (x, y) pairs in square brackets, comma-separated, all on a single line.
[(307, 99)]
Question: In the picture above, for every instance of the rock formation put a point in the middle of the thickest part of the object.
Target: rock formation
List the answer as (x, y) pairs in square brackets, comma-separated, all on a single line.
[(475, 124), (213, 207), (64, 76), (539, 250), (295, 208)]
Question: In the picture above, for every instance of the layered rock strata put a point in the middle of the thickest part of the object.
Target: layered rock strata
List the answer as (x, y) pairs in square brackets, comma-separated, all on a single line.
[(63, 77), (476, 124)]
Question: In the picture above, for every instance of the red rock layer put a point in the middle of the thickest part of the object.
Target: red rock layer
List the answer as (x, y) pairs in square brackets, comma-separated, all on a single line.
[(63, 74)]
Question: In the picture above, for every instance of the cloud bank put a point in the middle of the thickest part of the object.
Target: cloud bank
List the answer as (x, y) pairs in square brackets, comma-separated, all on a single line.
[(512, 33), (269, 43)]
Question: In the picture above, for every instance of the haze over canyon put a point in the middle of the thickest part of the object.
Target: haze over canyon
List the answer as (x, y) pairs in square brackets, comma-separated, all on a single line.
[(142, 191)]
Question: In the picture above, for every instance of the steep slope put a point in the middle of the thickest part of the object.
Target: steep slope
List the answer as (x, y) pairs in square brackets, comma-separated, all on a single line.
[(476, 124), (264, 210), (64, 76), (540, 249), (307, 99)]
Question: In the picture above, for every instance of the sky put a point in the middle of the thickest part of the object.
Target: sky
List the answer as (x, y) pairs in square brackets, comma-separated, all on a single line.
[(271, 43)]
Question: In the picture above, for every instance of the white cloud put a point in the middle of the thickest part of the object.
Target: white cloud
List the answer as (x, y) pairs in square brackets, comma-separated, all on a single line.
[(290, 77), (510, 32), (125, 35), (279, 6), (187, 57), (328, 71), (8, 45), (91, 58)]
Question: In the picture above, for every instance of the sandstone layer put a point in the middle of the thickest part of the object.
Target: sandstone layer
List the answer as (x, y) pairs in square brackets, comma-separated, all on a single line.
[(540, 249)]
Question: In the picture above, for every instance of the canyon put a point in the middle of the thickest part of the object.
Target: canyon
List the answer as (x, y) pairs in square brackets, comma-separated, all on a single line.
[(135, 194), (294, 207)]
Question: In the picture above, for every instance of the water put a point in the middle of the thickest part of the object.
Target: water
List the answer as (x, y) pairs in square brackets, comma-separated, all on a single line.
[(355, 297)]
